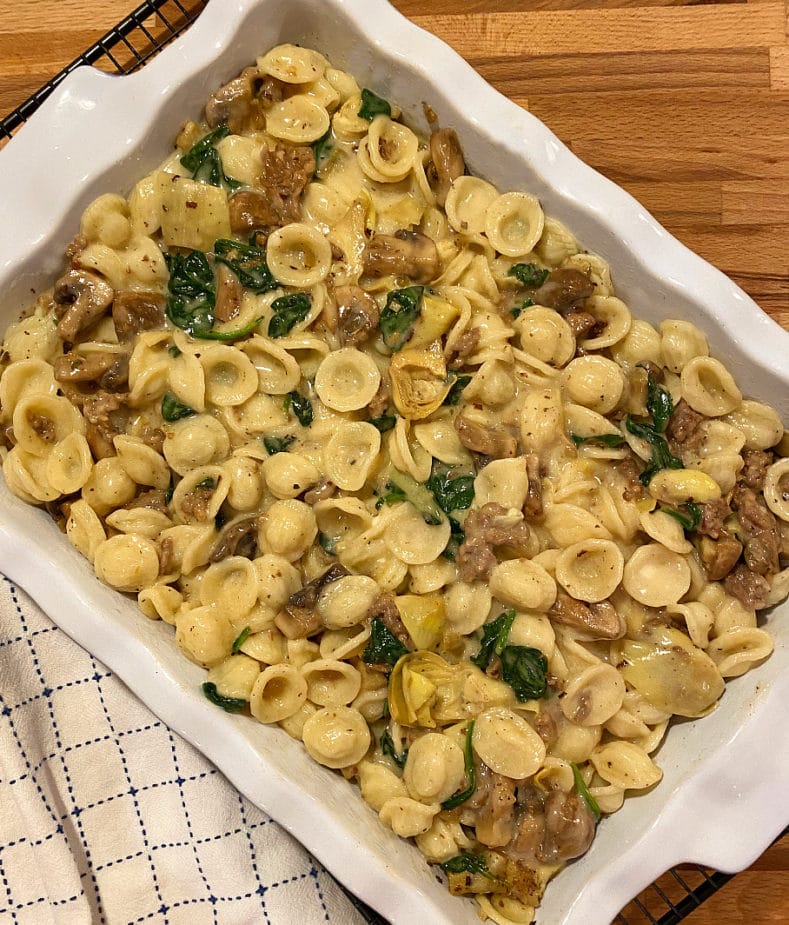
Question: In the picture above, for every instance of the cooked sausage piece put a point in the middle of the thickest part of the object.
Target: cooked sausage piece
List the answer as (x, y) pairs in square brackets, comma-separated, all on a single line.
[(405, 253), (760, 529), (486, 529), (287, 170), (133, 312), (684, 431), (750, 588), (757, 462), (229, 293)]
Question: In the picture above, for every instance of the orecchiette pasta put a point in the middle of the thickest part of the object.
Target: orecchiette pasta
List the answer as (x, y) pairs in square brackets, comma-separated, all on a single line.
[(384, 446)]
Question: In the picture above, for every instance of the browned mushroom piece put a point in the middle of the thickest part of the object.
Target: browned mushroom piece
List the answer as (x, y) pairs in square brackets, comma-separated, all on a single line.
[(569, 828), (286, 170), (405, 253), (324, 489), (85, 367), (298, 618), (595, 621), (563, 289), (495, 817), (720, 556), (106, 415), (358, 315), (497, 443), (448, 161), (533, 507), (229, 293), (236, 105), (237, 539), (153, 499), (81, 297), (133, 312)]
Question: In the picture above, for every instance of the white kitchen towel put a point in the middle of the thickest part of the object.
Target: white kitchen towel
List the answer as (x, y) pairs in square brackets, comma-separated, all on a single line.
[(106, 816)]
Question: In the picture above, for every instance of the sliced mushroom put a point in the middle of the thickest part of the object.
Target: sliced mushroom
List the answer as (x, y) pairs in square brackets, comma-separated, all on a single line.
[(298, 618), (563, 289), (80, 298), (155, 500), (235, 103), (133, 312), (486, 529), (358, 315), (532, 507), (568, 828), (84, 367), (229, 293), (596, 621), (237, 539), (496, 443), (320, 492), (405, 253), (448, 161)]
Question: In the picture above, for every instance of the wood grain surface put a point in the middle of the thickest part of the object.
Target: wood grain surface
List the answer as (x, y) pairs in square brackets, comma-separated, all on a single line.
[(684, 103)]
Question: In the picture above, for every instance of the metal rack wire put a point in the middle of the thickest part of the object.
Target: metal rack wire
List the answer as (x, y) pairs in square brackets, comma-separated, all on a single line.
[(126, 47)]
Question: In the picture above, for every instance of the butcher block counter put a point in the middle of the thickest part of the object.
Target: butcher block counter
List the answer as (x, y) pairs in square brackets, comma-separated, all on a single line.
[(684, 104)]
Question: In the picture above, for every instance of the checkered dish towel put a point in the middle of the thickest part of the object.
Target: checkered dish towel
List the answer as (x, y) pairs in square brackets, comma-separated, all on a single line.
[(108, 817)]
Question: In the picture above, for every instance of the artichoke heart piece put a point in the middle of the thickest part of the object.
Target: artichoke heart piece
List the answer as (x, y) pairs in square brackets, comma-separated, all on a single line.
[(424, 616), (671, 673), (419, 380), (435, 319)]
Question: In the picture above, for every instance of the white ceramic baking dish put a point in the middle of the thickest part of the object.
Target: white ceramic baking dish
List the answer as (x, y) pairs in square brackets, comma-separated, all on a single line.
[(724, 795)]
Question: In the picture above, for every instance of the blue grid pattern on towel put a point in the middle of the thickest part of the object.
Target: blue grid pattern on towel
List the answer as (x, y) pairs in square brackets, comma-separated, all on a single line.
[(108, 817)]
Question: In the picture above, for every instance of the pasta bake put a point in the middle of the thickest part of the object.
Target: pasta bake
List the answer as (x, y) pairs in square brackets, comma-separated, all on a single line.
[(385, 448)]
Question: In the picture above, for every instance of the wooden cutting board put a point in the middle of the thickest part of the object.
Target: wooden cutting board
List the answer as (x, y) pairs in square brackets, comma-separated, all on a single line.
[(684, 104)]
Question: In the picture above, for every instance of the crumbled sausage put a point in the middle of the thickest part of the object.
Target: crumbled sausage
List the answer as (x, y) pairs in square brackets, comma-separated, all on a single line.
[(713, 518), (750, 588), (287, 170), (382, 398), (358, 315), (628, 469), (597, 621), (106, 416), (133, 312), (684, 431), (405, 253), (197, 503), (488, 528), (496, 443), (760, 530), (757, 462), (465, 346), (167, 559), (581, 322), (385, 609)]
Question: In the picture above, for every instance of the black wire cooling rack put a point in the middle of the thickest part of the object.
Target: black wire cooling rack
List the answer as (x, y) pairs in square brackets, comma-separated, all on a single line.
[(126, 47)]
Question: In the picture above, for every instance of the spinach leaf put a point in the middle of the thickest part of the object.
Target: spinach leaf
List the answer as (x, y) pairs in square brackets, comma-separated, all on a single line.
[(456, 539), (277, 444), (302, 407), (228, 704), (494, 639), (387, 747), (516, 312), (384, 648), (322, 148), (288, 310), (525, 670), (207, 483), (327, 543), (168, 497), (230, 335), (205, 163), (466, 863), (452, 492), (174, 410), (220, 519), (373, 105), (248, 263), (583, 793), (471, 774), (399, 315), (240, 640), (529, 274), (173, 351), (660, 404), (662, 457), (612, 440), (191, 292), (392, 494), (456, 392), (384, 422), (690, 518)]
